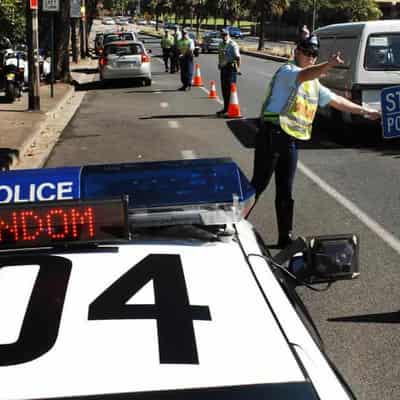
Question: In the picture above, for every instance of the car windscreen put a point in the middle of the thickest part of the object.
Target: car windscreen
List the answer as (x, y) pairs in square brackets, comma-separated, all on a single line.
[(123, 49), (383, 52)]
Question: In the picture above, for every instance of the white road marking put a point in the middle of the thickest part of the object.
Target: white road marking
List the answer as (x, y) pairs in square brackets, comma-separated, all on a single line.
[(188, 154), (369, 222), (207, 91), (164, 104), (174, 124)]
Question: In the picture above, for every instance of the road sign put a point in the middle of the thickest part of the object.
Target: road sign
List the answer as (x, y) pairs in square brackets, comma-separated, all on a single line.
[(390, 101), (75, 9), (51, 5), (33, 4)]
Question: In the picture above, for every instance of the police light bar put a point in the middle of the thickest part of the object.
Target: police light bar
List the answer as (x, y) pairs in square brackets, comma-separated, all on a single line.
[(202, 191)]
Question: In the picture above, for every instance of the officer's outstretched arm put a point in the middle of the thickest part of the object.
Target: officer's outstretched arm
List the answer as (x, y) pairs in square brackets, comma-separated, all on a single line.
[(342, 104), (316, 71)]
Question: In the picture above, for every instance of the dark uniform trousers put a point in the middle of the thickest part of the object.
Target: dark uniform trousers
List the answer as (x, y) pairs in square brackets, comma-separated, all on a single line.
[(167, 57), (228, 76), (276, 151), (174, 59), (186, 65)]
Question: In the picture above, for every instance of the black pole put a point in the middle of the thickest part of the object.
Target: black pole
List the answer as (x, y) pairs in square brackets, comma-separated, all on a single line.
[(52, 57), (33, 56)]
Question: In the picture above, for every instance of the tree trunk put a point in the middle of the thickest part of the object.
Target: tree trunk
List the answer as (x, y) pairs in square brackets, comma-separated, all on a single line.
[(62, 33), (75, 44), (262, 25)]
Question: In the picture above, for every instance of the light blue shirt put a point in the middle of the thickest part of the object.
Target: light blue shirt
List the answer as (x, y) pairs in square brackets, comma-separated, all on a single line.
[(285, 83)]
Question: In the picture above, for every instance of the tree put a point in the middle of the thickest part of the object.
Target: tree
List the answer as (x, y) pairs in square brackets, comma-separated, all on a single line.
[(12, 20)]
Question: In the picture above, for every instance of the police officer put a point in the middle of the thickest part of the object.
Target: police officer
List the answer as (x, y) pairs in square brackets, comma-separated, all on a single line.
[(229, 65), (287, 113), (166, 45), (174, 50), (185, 51)]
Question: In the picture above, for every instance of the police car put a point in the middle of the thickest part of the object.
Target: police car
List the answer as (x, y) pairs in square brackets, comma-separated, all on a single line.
[(145, 281)]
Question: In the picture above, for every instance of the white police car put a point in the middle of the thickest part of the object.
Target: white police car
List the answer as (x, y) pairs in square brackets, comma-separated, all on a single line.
[(144, 281)]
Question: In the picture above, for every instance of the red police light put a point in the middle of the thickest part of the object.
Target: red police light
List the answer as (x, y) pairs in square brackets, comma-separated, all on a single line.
[(33, 4), (49, 224)]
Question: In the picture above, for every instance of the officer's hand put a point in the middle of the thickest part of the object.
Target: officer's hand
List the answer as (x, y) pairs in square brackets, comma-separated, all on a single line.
[(239, 73), (370, 113), (335, 59)]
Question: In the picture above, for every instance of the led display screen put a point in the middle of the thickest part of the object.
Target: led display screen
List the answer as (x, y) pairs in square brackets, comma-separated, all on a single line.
[(51, 223)]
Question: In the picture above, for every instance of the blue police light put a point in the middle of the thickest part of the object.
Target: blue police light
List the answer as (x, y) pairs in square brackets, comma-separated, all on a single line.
[(206, 191)]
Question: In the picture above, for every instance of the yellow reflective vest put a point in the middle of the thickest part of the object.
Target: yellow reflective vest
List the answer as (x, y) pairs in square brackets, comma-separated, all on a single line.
[(298, 114)]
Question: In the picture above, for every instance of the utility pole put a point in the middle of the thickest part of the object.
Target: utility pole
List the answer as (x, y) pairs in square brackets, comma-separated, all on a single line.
[(33, 55), (314, 15), (83, 30)]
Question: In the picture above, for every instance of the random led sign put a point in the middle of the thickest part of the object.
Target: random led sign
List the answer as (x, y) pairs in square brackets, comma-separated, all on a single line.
[(49, 224)]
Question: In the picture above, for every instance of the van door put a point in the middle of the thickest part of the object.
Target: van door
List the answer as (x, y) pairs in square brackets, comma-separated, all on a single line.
[(340, 78)]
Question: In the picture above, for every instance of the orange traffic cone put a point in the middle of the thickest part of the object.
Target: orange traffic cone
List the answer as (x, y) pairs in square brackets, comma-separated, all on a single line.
[(213, 92), (197, 81), (234, 108)]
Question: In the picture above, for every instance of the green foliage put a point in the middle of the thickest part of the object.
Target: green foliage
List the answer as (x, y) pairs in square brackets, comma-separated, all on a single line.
[(12, 19)]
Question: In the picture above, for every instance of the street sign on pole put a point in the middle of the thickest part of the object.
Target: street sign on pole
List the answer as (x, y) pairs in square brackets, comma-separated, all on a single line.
[(33, 4), (390, 101), (75, 11), (51, 5)]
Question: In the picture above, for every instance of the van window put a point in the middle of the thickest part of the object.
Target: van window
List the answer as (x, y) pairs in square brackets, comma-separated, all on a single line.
[(382, 52), (344, 44)]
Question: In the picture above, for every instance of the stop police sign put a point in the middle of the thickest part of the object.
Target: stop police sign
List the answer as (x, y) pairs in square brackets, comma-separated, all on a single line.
[(390, 101)]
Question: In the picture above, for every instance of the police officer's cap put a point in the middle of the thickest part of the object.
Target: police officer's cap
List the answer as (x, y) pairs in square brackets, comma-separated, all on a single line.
[(310, 43), (224, 31)]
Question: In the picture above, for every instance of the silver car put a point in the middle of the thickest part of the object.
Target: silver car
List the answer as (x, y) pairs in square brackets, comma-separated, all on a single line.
[(211, 42), (125, 60)]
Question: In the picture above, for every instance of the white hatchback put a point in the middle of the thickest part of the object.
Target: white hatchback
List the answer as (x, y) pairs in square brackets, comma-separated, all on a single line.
[(125, 60)]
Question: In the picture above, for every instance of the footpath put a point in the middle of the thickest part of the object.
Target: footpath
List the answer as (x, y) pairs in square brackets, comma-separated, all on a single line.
[(23, 133)]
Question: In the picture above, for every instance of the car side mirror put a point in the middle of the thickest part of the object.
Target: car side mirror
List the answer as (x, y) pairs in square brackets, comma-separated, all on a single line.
[(327, 259)]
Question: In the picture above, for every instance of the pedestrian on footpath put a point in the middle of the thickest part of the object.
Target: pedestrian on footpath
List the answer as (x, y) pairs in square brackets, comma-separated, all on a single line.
[(229, 66), (167, 42), (174, 50), (287, 114), (185, 51)]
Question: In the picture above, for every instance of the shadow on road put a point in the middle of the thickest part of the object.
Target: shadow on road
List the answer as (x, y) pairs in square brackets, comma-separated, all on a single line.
[(86, 70), (245, 130), (175, 116), (101, 85), (383, 318)]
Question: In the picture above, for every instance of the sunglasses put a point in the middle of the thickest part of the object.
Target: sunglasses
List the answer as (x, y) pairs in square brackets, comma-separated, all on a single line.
[(309, 53)]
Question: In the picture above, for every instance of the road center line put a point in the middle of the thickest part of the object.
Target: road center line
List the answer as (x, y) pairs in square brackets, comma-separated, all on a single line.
[(369, 222), (188, 154)]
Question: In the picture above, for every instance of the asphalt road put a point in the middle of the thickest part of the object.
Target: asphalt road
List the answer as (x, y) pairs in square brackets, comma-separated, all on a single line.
[(345, 183)]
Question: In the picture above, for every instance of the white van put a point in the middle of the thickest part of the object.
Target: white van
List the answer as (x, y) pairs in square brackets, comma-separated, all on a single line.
[(371, 54)]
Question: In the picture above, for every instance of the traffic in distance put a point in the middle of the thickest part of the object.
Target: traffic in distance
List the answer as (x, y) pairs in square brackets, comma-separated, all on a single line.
[(126, 263)]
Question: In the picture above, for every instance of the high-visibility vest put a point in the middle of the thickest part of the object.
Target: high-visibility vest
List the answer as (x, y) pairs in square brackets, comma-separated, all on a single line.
[(167, 42), (184, 45), (298, 114), (223, 49)]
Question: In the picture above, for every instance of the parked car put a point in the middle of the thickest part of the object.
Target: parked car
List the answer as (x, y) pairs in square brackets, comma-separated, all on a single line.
[(211, 42), (98, 42), (371, 54), (235, 32), (125, 60)]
